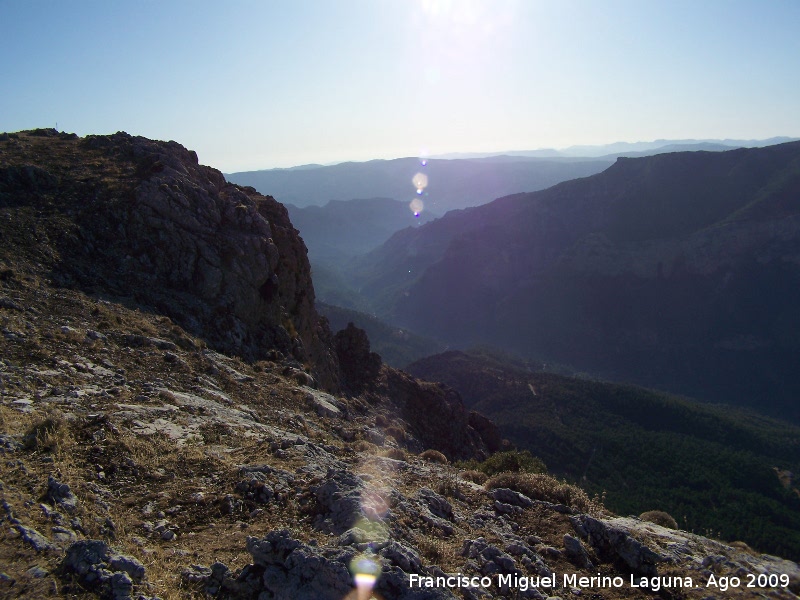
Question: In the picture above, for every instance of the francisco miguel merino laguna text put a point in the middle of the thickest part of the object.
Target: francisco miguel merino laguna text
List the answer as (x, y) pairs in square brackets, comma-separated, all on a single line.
[(572, 580)]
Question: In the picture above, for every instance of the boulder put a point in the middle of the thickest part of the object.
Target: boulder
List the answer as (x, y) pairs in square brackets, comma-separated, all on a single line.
[(617, 545), (94, 566), (61, 494)]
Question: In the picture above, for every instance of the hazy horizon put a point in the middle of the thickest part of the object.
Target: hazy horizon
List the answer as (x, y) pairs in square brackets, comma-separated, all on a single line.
[(274, 85), (527, 152)]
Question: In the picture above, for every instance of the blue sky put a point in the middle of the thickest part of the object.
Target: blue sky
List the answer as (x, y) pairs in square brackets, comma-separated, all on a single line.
[(254, 84)]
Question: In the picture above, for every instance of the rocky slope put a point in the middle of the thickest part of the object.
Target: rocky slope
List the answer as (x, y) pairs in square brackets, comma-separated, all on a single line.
[(140, 459), (134, 467)]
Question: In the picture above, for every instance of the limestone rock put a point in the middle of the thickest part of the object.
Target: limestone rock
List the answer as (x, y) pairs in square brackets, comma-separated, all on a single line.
[(488, 431), (512, 497), (575, 552), (96, 567), (61, 494), (339, 499), (35, 539), (436, 503), (285, 568), (617, 545), (436, 414)]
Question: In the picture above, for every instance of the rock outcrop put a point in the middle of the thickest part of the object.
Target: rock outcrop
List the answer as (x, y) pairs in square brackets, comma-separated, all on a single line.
[(94, 566), (358, 365), (126, 216), (435, 413)]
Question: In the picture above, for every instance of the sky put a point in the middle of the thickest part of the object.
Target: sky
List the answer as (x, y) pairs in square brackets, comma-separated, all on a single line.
[(256, 84)]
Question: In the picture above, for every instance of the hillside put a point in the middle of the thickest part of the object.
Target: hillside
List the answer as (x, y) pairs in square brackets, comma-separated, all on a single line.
[(162, 439), (678, 271), (712, 467)]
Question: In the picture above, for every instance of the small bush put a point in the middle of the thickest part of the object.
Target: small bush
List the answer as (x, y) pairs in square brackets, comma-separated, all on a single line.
[(434, 456), (397, 433), (397, 454), (474, 476), (516, 461), (739, 545), (448, 485), (539, 486), (659, 517), (364, 446)]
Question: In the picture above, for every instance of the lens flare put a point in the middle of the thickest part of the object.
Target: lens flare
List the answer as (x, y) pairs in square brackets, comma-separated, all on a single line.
[(374, 504), (420, 181), (365, 569), (416, 206)]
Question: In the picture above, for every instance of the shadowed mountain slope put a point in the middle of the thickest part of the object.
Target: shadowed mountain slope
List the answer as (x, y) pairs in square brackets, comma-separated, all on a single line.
[(343, 229), (679, 271)]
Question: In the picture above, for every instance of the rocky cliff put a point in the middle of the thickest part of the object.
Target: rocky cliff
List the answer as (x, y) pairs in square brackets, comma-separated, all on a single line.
[(124, 216)]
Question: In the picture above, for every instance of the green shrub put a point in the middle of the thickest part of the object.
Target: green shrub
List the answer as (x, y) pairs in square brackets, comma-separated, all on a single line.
[(517, 461)]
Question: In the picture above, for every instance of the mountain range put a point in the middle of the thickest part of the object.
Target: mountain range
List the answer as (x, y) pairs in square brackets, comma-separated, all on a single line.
[(679, 271), (451, 183), (618, 149), (462, 180)]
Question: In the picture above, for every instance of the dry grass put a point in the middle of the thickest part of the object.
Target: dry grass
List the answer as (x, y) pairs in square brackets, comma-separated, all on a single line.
[(49, 434), (436, 550), (539, 486), (397, 433)]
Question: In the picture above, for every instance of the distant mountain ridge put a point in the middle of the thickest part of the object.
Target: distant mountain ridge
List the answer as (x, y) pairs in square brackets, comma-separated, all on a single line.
[(679, 271), (629, 148), (452, 184), (341, 230)]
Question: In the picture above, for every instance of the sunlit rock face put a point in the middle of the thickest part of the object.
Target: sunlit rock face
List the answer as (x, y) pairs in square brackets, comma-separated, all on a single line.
[(140, 218)]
